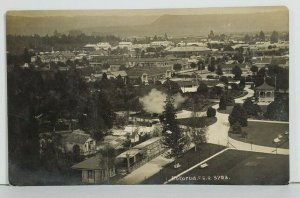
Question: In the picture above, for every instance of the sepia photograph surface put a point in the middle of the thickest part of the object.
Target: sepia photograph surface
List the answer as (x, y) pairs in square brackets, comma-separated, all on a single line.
[(161, 96)]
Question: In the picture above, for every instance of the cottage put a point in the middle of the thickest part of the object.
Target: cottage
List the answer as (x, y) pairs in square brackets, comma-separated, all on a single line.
[(78, 139), (188, 86), (96, 170)]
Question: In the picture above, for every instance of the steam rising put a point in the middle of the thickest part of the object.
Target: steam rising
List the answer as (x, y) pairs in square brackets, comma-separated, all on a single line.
[(154, 102)]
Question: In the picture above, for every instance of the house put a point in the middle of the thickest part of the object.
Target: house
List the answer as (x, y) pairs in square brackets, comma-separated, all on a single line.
[(227, 68), (127, 45), (54, 57), (96, 170), (146, 74), (161, 43), (187, 51), (140, 154), (265, 93), (78, 139), (123, 74), (103, 45), (188, 86)]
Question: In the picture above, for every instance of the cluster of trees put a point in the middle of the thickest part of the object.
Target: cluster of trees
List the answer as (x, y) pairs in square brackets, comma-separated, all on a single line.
[(261, 37), (226, 100), (59, 95), (278, 110), (61, 42), (218, 37)]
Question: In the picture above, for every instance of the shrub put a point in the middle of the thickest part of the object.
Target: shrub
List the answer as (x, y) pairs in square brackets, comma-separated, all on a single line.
[(211, 112), (239, 115)]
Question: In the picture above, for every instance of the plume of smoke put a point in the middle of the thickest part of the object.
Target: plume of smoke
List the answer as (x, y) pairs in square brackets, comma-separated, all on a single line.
[(154, 102)]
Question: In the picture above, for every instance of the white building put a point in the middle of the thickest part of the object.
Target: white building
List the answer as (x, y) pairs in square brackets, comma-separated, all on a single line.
[(103, 45), (161, 43), (127, 45)]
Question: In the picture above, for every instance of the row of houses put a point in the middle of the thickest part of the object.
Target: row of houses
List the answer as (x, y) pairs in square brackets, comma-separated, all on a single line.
[(99, 168)]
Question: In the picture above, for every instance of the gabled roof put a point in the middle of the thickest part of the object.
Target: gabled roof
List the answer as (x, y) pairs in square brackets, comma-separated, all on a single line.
[(97, 162), (186, 83), (189, 49), (264, 86), (117, 73), (151, 71), (77, 137)]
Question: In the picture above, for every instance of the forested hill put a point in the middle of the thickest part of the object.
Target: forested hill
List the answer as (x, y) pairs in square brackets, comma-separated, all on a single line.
[(176, 25)]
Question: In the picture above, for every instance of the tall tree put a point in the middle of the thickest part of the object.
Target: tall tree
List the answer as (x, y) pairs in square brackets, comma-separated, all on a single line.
[(274, 37), (174, 138), (236, 70), (262, 36), (219, 70), (238, 114)]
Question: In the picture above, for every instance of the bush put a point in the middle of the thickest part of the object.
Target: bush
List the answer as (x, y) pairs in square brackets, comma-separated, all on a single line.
[(239, 115), (251, 108), (211, 112), (226, 100), (278, 110)]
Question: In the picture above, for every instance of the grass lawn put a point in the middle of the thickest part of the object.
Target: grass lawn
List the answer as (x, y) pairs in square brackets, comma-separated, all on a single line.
[(188, 160), (197, 122), (263, 133), (240, 167)]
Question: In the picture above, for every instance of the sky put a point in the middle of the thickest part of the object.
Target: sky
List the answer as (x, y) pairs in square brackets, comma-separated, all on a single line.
[(148, 12)]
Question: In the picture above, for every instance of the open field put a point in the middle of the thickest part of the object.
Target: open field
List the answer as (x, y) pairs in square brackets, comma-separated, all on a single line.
[(189, 159), (242, 168), (263, 133)]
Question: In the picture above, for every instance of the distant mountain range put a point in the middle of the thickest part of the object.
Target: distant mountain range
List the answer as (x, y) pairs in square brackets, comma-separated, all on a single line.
[(175, 25)]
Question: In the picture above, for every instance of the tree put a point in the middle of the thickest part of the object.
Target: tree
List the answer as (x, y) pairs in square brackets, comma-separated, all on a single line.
[(171, 87), (211, 35), (261, 36), (278, 110), (177, 67), (26, 56), (104, 76), (211, 112), (200, 65), (238, 114), (202, 89), (251, 108), (223, 79), (254, 69), (236, 70), (193, 65), (222, 103), (219, 70), (211, 68), (274, 37), (174, 139), (76, 153), (199, 137), (228, 48), (247, 38), (242, 83)]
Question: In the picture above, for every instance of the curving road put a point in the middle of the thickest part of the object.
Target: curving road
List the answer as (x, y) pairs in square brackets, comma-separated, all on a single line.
[(217, 133)]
